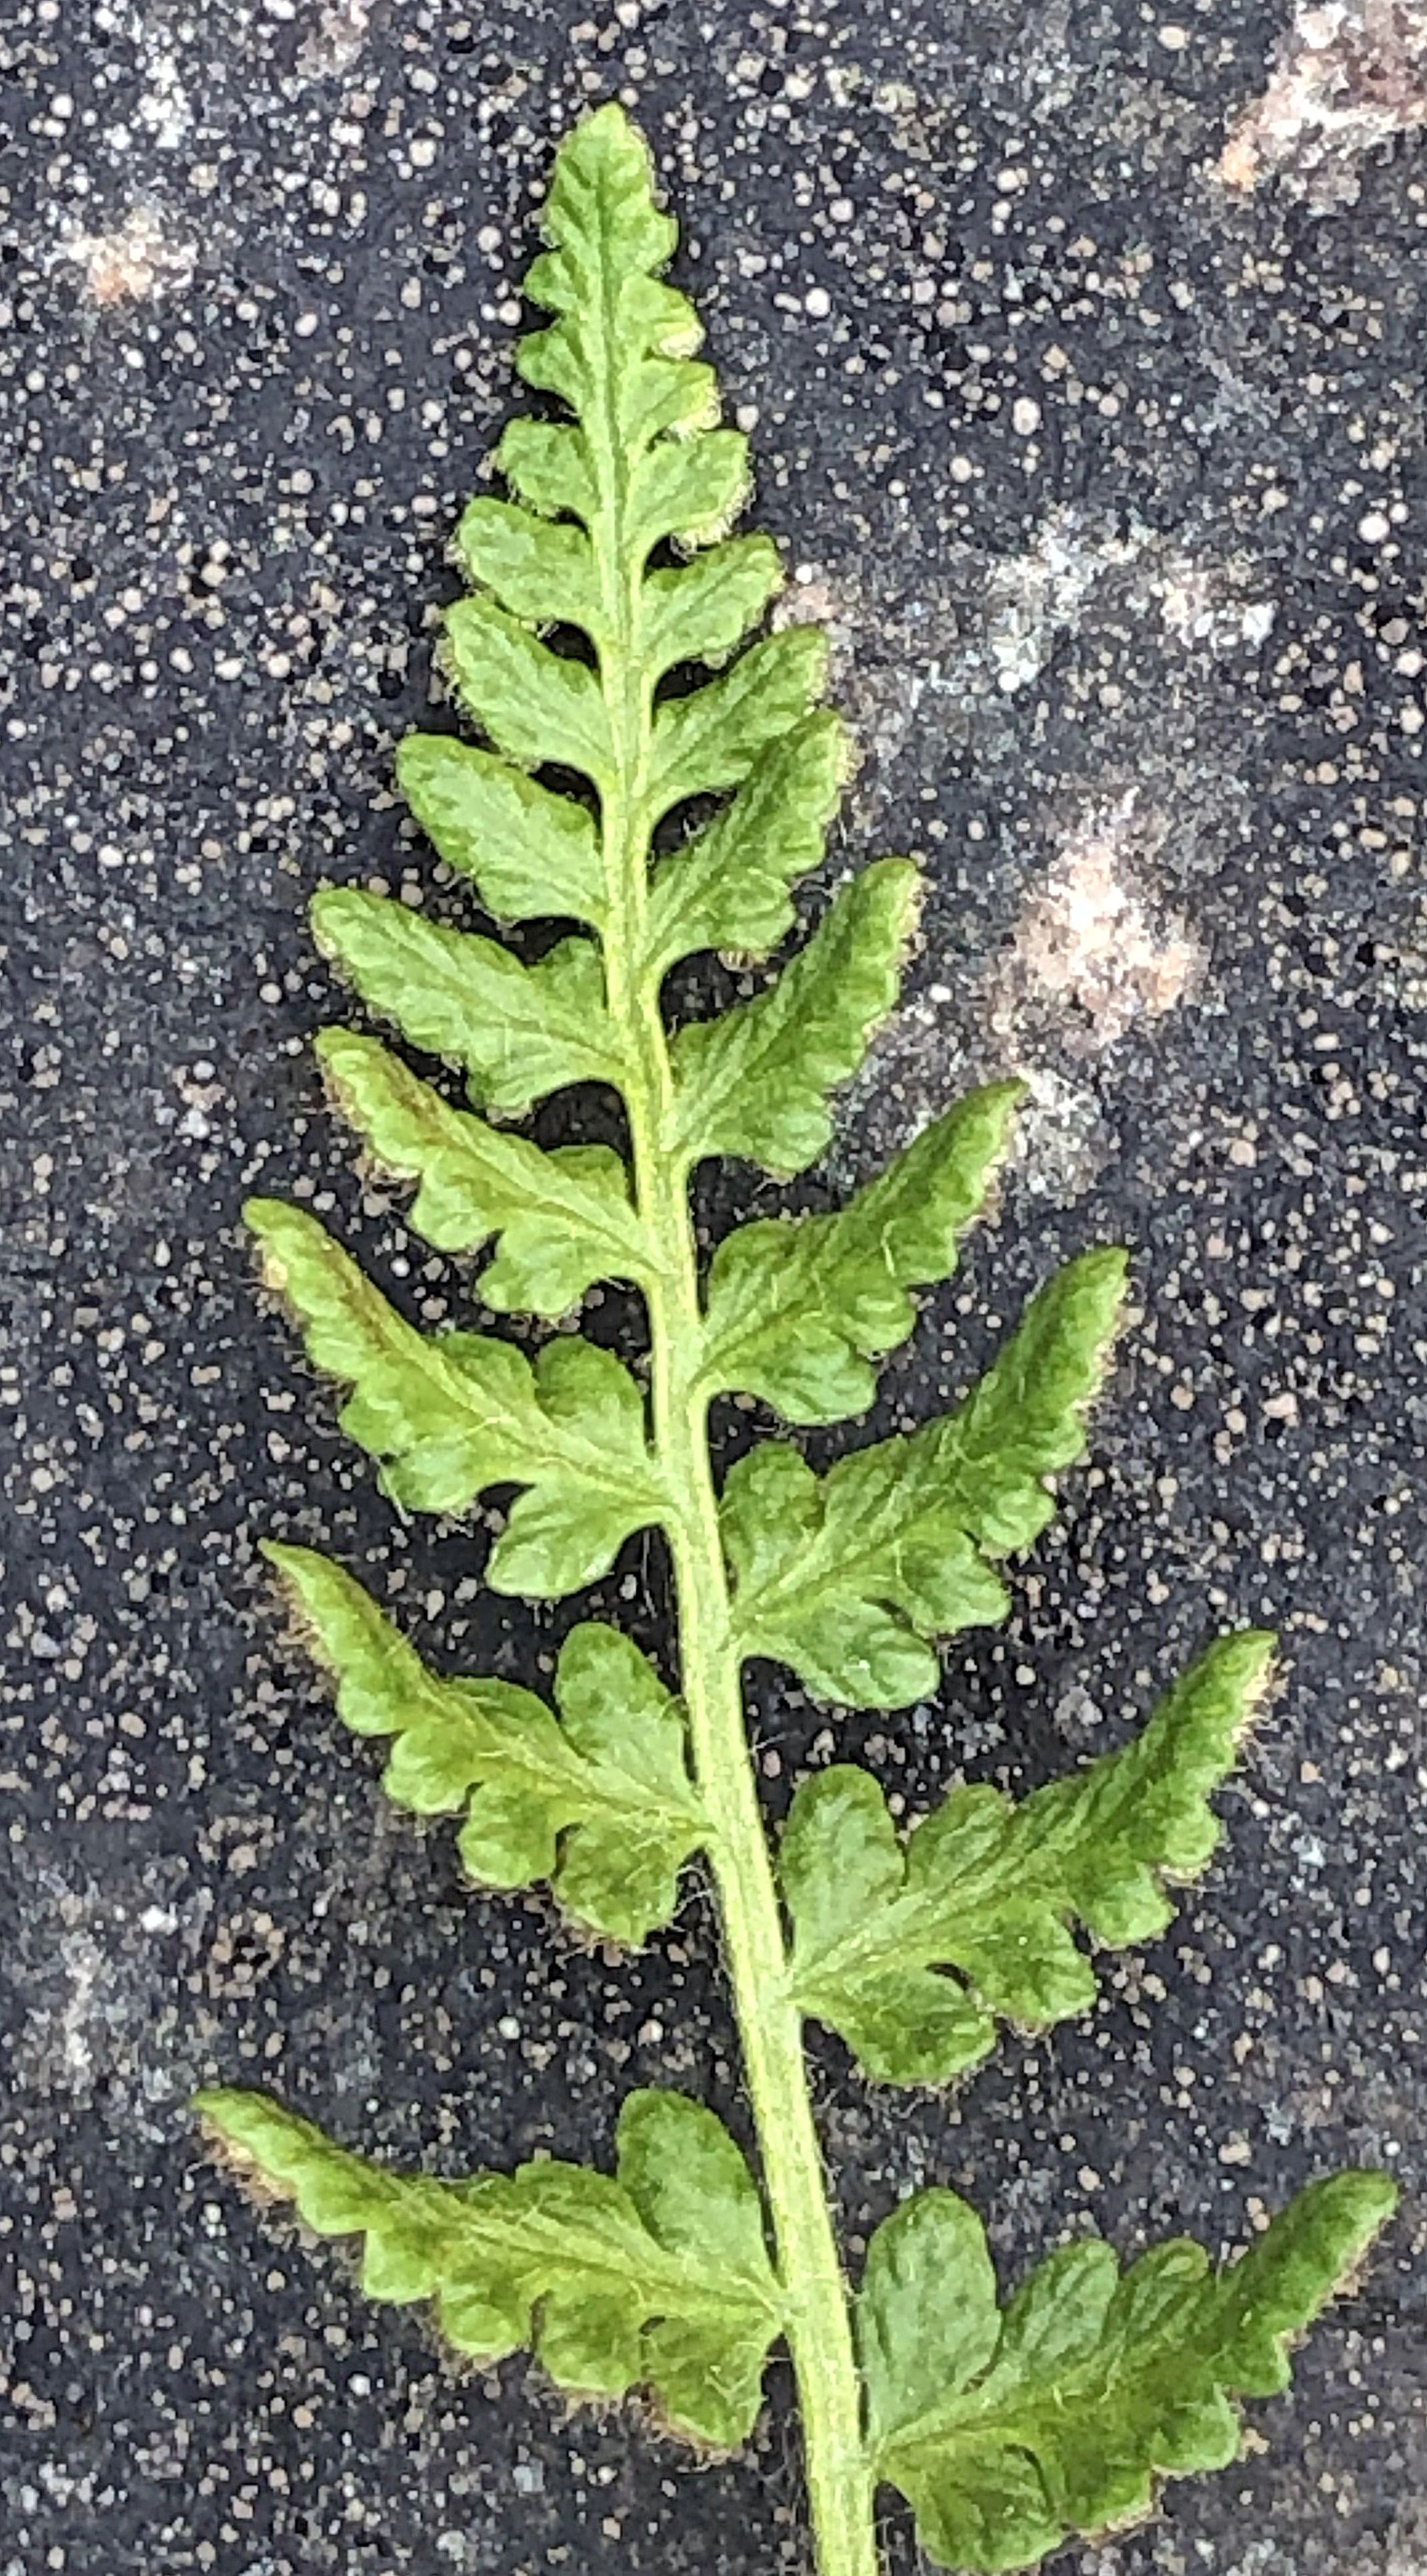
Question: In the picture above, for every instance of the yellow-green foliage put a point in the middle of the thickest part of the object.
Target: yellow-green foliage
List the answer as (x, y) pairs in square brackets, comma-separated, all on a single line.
[(1008, 2430)]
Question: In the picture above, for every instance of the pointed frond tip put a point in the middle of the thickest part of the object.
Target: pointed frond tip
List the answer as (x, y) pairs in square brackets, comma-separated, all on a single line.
[(656, 2276), (635, 462), (620, 353), (913, 1951), (1010, 2431)]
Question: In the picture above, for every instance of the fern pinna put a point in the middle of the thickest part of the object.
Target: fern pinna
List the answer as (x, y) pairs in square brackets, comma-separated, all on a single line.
[(1009, 2427)]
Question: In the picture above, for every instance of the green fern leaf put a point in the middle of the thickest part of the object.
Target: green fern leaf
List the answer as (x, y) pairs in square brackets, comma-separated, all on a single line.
[(756, 1082), (702, 611), (711, 738), (564, 1218), (989, 1888), (598, 1801), (799, 1308), (619, 350), (608, 631), (727, 887), (1009, 2431), (526, 697), (848, 1577), (518, 1032), (540, 570), (688, 491), (527, 852), (657, 2277), (449, 1417), (1025, 1419), (620, 353)]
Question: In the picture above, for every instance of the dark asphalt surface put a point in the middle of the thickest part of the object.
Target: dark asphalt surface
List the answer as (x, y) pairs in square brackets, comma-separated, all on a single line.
[(1108, 471)]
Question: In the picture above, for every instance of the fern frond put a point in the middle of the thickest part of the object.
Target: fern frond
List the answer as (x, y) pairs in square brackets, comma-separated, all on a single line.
[(728, 887), (517, 1032), (607, 643), (799, 1308), (525, 850), (563, 1218), (756, 1082)]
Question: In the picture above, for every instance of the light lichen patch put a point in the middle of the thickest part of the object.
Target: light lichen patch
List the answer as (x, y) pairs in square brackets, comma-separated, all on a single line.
[(1349, 75), (336, 42), (133, 262), (1088, 943)]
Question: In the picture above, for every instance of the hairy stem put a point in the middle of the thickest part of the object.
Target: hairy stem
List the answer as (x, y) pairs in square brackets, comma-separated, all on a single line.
[(819, 2326), (819, 2330)]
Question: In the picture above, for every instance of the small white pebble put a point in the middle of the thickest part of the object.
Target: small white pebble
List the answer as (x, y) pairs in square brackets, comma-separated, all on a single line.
[(818, 303), (1174, 39), (1374, 527), (1025, 416)]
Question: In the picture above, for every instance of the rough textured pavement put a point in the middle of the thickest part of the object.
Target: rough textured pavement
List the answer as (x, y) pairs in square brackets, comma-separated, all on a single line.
[(1083, 353)]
